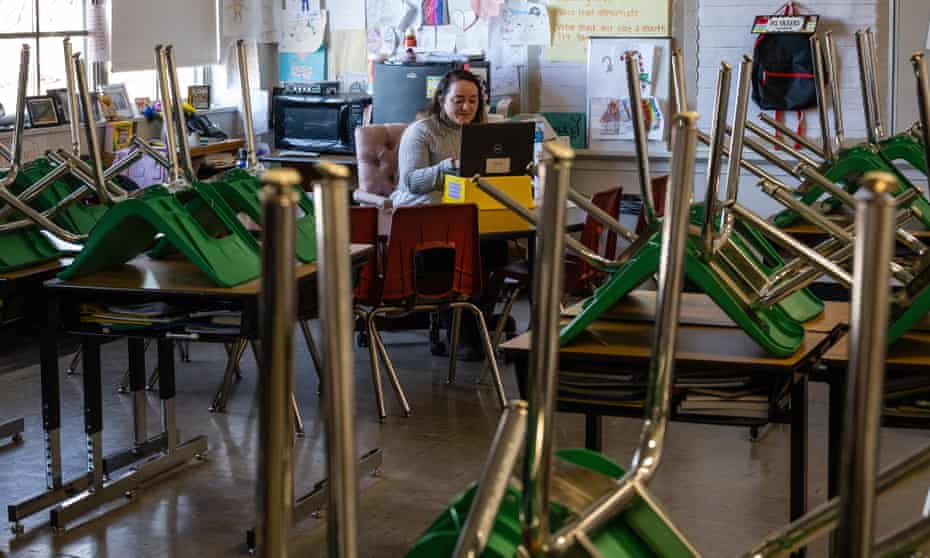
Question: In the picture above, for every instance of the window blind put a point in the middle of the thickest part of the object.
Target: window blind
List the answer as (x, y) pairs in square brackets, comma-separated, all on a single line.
[(138, 25)]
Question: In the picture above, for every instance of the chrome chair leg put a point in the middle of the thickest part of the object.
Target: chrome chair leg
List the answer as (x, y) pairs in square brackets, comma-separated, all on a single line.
[(314, 352), (378, 342), (75, 361), (375, 365), (256, 346), (222, 392), (488, 349), (499, 330), (454, 345), (152, 383)]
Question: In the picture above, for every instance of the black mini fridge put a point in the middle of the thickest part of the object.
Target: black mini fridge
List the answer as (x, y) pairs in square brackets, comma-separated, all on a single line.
[(402, 89)]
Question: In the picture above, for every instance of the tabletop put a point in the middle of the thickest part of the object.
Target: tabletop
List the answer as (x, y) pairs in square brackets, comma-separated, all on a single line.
[(34, 270), (698, 309), (711, 347), (910, 353), (174, 275), (305, 158)]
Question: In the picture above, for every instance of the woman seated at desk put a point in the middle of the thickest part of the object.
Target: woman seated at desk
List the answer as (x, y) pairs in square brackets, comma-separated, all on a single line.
[(428, 150), (430, 146)]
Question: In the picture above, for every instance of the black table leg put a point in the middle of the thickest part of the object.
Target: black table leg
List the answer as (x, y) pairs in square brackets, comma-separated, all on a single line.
[(51, 390), (592, 432), (137, 389), (798, 502), (837, 402), (166, 391)]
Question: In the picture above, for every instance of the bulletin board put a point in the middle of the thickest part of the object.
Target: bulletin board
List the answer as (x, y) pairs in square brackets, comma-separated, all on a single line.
[(607, 99)]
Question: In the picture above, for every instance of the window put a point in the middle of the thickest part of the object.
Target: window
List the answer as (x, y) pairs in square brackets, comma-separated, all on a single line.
[(42, 24)]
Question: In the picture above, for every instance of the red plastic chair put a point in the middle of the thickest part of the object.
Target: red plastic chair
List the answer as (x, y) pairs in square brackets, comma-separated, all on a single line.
[(578, 274), (433, 263)]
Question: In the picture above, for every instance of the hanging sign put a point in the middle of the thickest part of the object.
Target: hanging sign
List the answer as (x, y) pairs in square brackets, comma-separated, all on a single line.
[(785, 24)]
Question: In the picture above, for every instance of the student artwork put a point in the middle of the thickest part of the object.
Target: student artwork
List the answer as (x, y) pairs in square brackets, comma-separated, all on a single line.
[(309, 66), (525, 23), (303, 32), (643, 60), (614, 119), (435, 12), (250, 18)]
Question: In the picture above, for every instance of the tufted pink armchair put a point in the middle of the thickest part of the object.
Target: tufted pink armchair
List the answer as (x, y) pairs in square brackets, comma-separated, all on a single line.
[(376, 148)]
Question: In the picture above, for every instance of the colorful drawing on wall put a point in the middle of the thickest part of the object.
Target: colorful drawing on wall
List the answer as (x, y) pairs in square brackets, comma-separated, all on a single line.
[(613, 120), (302, 66), (570, 124), (525, 23)]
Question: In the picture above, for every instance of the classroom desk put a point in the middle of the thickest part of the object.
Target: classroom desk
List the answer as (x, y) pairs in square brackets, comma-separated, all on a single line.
[(909, 355), (623, 347), (25, 285), (13, 429), (142, 280)]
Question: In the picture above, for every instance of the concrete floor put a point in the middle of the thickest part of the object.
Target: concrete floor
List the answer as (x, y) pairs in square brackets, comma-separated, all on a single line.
[(723, 492)]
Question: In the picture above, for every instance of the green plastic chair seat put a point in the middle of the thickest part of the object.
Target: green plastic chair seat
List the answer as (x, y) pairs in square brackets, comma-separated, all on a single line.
[(25, 248), (855, 161), (775, 329), (77, 218), (638, 531), (131, 227), (240, 190)]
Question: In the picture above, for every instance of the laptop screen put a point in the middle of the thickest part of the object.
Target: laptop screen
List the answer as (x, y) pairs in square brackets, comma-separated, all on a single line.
[(501, 148)]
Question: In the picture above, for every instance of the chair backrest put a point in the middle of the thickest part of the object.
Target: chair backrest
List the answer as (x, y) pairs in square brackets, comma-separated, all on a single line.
[(579, 273), (659, 184), (432, 228), (364, 230), (376, 148)]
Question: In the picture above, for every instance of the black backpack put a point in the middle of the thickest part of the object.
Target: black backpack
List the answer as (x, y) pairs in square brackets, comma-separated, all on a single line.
[(783, 72)]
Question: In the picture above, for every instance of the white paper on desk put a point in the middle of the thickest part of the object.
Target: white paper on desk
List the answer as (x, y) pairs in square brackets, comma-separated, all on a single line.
[(525, 23)]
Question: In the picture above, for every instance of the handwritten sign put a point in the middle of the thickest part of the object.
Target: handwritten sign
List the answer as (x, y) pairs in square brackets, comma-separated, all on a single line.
[(576, 20)]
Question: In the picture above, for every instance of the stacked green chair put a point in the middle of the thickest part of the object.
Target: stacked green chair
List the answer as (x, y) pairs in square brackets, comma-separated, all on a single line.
[(877, 154), (161, 217), (593, 507)]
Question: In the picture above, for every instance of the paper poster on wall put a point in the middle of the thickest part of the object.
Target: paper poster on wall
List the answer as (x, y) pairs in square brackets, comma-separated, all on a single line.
[(574, 21), (343, 14), (607, 70), (251, 19), (525, 23), (294, 66), (505, 59), (99, 31), (303, 32), (612, 118)]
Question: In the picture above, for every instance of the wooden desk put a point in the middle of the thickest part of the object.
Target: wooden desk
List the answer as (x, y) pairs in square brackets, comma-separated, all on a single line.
[(493, 230), (698, 309), (619, 347), (290, 158), (910, 355), (20, 289), (142, 280)]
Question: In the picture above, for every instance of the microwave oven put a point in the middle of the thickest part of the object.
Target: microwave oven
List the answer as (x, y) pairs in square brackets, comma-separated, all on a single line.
[(317, 123)]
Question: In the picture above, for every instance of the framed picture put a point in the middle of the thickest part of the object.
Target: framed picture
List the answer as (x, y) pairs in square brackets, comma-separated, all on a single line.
[(42, 111), (199, 96), (61, 102), (119, 100), (142, 103)]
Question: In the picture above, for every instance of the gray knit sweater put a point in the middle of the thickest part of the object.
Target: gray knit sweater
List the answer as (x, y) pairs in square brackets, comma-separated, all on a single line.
[(426, 151)]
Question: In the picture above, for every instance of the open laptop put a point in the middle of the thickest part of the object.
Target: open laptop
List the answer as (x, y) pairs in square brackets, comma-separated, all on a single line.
[(501, 148)]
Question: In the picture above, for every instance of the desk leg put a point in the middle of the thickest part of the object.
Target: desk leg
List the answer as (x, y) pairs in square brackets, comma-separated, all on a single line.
[(93, 410), (137, 388), (530, 264), (593, 432), (51, 391), (799, 451), (166, 391)]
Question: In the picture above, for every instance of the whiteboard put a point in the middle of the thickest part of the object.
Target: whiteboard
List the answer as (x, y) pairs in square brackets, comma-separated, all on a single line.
[(607, 95)]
